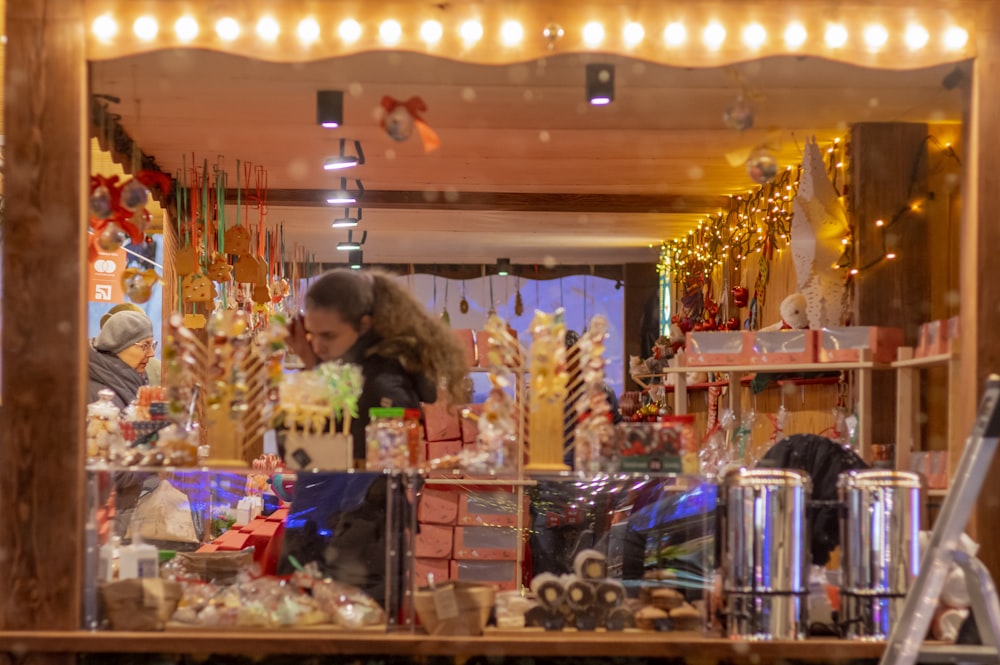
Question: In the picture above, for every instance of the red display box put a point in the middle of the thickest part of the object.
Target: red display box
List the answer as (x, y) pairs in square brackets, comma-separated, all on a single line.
[(501, 574), (439, 449), (438, 507), (439, 568), (470, 430), (496, 543), (467, 340), (718, 347), (783, 347), (850, 344), (488, 507), (433, 541), (441, 422)]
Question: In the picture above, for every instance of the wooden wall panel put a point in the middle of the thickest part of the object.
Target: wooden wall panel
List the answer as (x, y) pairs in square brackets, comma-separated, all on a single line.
[(888, 173), (41, 459)]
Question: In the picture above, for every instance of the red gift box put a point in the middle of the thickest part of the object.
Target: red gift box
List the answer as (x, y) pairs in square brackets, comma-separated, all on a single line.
[(441, 423), (433, 541), (438, 507), (233, 541), (501, 574), (849, 343), (470, 430), (439, 449), (439, 568), (467, 340)]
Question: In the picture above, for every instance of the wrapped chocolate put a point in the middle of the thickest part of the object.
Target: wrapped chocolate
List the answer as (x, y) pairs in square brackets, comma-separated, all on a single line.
[(549, 589), (580, 594), (590, 565), (610, 594)]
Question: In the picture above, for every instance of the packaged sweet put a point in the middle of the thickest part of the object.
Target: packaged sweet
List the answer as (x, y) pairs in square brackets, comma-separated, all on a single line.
[(104, 438), (347, 605)]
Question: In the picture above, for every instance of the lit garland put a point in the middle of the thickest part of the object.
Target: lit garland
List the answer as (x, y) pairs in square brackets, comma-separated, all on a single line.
[(757, 222)]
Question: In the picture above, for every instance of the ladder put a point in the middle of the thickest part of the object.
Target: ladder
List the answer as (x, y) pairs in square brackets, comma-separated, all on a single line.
[(906, 643)]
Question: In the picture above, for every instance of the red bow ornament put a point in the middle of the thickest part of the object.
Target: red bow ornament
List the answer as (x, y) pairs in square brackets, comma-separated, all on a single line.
[(400, 118)]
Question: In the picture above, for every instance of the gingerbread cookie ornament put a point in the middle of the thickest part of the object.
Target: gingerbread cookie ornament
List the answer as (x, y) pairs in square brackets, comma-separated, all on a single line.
[(186, 260), (237, 241), (197, 288), (219, 269)]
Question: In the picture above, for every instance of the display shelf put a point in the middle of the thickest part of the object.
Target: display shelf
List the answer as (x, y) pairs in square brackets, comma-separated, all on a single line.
[(925, 361), (485, 482), (772, 368), (251, 642), (937, 492), (117, 468)]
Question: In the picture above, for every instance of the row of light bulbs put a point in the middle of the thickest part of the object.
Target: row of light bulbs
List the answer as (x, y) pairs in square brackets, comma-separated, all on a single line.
[(390, 32)]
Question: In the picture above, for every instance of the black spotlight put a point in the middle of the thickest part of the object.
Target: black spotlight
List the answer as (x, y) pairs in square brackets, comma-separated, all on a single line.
[(330, 108), (600, 84), (503, 267), (355, 258)]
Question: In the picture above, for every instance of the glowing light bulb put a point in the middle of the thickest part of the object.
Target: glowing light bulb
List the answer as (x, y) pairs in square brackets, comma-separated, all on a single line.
[(916, 37), (876, 36), (714, 35), (431, 32), (104, 28), (795, 35), (675, 34), (593, 34), (307, 30), (854, 271), (836, 35), (754, 35), (511, 33), (471, 31), (633, 34), (955, 38), (890, 255), (227, 29), (390, 32), (145, 28), (349, 30), (879, 222), (268, 29), (186, 28)]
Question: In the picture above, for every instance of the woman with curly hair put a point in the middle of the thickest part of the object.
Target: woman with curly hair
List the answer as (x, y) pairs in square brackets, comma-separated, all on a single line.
[(367, 318)]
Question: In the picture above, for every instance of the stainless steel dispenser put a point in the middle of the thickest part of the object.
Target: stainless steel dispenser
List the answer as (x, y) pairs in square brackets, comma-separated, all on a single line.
[(879, 539), (765, 554)]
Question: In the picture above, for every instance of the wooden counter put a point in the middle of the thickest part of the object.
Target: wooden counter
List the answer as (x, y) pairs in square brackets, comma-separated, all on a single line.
[(507, 643)]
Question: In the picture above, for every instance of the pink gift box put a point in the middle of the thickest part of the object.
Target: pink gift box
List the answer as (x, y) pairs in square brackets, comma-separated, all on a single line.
[(439, 568), (468, 425), (849, 343), (433, 541), (439, 449), (467, 340), (496, 543), (440, 422), (438, 507), (936, 337), (718, 347), (781, 347)]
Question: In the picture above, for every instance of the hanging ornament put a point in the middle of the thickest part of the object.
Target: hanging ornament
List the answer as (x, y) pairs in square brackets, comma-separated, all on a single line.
[(138, 284), (111, 238), (463, 304), (739, 115), (400, 119), (100, 202), (445, 316), (740, 296), (134, 195), (518, 301), (762, 165)]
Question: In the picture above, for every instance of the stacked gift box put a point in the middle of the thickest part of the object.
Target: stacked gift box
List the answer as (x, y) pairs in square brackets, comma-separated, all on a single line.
[(468, 533)]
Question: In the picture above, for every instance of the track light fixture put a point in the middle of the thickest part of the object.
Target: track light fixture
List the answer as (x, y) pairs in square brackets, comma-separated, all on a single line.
[(351, 243), (343, 160), (330, 108), (355, 259), (600, 83), (347, 222), (503, 267), (343, 197)]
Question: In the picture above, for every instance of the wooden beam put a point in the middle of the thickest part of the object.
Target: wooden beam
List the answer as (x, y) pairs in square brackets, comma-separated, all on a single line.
[(507, 201), (44, 316), (980, 315)]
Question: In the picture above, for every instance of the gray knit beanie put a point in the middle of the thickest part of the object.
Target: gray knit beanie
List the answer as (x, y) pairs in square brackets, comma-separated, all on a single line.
[(123, 330)]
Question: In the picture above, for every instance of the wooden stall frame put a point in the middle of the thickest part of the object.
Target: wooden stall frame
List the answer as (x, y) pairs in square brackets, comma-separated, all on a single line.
[(41, 460)]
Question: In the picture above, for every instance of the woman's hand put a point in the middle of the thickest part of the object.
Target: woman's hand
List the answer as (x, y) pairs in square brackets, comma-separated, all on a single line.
[(298, 342)]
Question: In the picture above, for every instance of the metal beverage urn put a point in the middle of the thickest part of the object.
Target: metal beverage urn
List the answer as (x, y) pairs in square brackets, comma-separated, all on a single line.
[(879, 539), (765, 553)]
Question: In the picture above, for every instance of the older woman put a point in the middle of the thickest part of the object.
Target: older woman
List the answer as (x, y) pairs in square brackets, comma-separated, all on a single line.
[(118, 356)]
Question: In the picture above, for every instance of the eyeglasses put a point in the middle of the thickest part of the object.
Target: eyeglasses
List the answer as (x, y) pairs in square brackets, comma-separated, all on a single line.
[(148, 347)]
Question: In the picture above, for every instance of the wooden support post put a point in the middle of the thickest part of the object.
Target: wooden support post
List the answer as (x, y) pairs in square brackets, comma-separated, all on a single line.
[(980, 315), (44, 318)]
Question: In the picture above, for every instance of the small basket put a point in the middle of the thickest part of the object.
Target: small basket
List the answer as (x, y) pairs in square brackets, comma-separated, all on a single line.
[(474, 602), (140, 604)]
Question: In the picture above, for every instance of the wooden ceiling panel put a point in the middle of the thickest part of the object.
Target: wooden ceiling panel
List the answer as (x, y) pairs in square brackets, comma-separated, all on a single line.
[(523, 128)]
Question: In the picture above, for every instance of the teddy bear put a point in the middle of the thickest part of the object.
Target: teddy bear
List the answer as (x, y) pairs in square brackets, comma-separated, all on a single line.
[(793, 314)]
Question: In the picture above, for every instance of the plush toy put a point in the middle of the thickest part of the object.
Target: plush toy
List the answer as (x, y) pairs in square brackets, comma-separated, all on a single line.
[(793, 314)]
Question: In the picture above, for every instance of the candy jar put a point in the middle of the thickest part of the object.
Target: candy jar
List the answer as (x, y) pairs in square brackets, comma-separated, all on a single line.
[(387, 441), (104, 438)]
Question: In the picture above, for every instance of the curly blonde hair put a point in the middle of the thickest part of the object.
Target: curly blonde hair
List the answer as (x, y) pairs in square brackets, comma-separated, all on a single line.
[(404, 328)]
